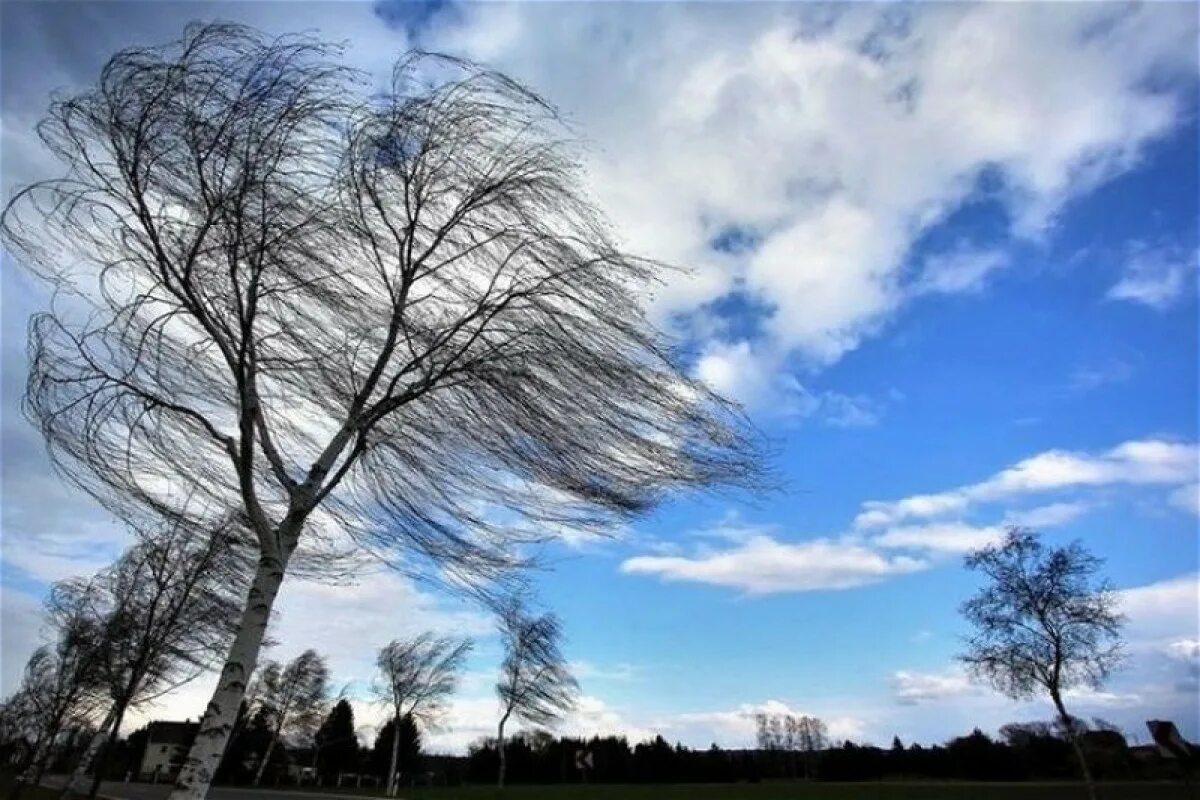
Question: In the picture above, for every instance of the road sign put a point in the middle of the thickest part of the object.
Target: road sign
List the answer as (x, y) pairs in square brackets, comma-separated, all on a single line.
[(583, 760)]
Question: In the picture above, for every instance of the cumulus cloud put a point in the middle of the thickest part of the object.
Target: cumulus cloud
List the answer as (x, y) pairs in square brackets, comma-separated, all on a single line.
[(834, 140), (761, 381), (1138, 462), (940, 537), (764, 565)]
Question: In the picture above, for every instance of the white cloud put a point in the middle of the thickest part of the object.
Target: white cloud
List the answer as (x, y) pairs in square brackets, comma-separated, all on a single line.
[(763, 384), (1139, 462), (1156, 276), (835, 140), (1048, 516), (912, 688), (763, 565), (1186, 649), (1163, 612), (940, 537), (958, 271)]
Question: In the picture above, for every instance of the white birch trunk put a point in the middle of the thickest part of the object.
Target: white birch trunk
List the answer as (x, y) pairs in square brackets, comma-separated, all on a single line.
[(391, 782), (198, 769), (79, 776)]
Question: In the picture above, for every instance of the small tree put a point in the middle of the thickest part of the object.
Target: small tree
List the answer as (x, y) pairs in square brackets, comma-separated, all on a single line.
[(60, 686), (165, 612), (1042, 622), (535, 684), (416, 677), (293, 697)]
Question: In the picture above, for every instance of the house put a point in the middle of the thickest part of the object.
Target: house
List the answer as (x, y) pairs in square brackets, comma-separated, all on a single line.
[(167, 744)]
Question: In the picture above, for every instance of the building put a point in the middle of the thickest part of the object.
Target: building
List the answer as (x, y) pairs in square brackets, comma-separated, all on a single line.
[(167, 744)]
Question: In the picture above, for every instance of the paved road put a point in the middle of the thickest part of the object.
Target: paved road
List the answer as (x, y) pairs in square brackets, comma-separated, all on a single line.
[(117, 790)]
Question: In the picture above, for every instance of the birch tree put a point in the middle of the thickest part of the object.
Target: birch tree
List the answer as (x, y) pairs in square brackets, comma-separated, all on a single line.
[(390, 322), (59, 687), (165, 614), (1043, 621), (416, 678), (294, 696), (535, 684)]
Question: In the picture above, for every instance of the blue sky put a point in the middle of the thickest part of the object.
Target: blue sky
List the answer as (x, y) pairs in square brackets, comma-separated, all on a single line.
[(946, 256)]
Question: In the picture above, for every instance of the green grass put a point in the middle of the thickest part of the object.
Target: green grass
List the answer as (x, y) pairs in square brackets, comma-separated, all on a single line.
[(814, 791)]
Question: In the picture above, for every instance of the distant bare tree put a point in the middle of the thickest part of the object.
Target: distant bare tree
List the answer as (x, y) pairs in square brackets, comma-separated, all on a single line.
[(535, 685), (294, 695), (1042, 622), (166, 612), (416, 678), (393, 317), (791, 734), (60, 686)]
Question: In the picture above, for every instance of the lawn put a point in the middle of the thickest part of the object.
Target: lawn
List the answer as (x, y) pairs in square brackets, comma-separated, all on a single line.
[(814, 791)]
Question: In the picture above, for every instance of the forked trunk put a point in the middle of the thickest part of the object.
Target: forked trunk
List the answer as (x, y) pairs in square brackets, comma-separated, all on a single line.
[(79, 776), (1073, 736), (391, 780), (202, 761)]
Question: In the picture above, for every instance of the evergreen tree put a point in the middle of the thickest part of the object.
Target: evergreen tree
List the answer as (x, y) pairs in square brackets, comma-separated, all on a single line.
[(336, 743), (409, 761)]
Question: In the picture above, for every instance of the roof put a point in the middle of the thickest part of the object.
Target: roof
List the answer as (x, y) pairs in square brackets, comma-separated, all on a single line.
[(180, 733)]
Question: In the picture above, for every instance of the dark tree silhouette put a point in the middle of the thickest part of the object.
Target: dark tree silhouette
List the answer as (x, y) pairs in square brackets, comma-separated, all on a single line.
[(416, 678), (61, 685), (165, 613), (535, 684), (1042, 622), (386, 320), (293, 697), (335, 744), (408, 759)]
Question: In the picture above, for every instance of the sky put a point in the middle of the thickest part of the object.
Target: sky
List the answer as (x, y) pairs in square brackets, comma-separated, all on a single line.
[(946, 258)]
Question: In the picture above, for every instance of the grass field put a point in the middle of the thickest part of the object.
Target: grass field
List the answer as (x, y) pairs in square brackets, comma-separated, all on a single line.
[(814, 791)]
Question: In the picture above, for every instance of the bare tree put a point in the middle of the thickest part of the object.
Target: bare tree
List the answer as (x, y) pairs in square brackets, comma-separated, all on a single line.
[(166, 612), (1042, 622), (391, 317), (535, 685), (791, 734), (60, 685), (416, 678), (294, 696)]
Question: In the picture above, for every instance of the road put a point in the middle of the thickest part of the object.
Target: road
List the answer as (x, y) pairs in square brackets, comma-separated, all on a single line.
[(118, 790)]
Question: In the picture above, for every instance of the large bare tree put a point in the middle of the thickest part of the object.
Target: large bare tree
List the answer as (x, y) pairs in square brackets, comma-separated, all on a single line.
[(165, 613), (536, 685), (416, 678), (1043, 621), (294, 696), (386, 320)]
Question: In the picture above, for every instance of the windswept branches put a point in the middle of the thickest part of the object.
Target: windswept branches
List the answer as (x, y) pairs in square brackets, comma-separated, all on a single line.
[(536, 685), (392, 322), (416, 678), (1043, 621), (294, 697)]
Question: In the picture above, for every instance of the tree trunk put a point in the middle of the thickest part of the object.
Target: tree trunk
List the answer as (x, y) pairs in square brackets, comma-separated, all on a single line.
[(205, 755), (1073, 736), (391, 778), (500, 751), (75, 782), (106, 752), (262, 765)]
